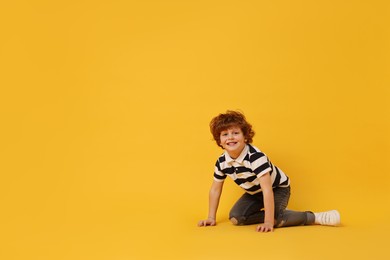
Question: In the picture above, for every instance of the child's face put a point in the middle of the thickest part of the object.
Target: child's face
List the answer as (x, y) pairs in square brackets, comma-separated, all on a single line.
[(233, 141)]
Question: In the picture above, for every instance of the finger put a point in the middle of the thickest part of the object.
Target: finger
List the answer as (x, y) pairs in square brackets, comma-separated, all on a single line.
[(263, 229)]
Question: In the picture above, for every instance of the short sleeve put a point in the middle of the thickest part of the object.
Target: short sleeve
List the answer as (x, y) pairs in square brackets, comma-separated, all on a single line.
[(219, 176), (260, 164)]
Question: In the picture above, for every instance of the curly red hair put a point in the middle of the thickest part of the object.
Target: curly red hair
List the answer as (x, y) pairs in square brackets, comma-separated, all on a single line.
[(231, 119)]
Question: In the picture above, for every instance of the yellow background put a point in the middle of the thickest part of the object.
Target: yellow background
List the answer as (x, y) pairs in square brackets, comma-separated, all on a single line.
[(105, 105)]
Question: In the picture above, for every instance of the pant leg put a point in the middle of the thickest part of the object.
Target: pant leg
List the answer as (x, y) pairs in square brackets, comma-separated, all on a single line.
[(281, 198), (287, 218), (249, 208)]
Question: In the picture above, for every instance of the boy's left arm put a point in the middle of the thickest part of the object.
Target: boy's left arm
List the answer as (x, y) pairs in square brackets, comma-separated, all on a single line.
[(269, 205)]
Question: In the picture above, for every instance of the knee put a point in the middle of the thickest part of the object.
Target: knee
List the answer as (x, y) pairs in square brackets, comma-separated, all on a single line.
[(236, 219)]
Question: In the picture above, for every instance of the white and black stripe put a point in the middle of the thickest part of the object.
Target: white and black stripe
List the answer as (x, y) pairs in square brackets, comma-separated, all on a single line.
[(247, 168)]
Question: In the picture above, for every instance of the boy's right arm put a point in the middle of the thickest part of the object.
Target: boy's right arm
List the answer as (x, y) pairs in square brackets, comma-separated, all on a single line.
[(214, 196)]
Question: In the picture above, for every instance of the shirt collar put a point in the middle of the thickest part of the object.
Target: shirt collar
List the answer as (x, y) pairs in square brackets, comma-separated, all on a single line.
[(240, 158)]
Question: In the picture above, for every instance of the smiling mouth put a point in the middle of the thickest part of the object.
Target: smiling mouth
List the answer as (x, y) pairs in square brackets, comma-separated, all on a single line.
[(231, 143)]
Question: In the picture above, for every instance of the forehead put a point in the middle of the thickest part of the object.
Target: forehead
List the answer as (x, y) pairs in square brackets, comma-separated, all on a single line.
[(231, 128)]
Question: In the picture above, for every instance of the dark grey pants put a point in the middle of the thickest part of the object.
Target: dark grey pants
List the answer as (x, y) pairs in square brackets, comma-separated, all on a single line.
[(249, 209)]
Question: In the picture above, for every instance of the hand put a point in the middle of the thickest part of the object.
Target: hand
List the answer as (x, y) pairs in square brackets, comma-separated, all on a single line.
[(265, 227), (207, 222)]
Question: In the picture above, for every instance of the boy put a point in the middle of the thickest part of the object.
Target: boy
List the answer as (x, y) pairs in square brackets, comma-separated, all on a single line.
[(267, 188)]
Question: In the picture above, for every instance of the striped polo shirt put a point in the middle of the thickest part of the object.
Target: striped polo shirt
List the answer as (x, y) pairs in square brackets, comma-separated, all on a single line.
[(246, 169)]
